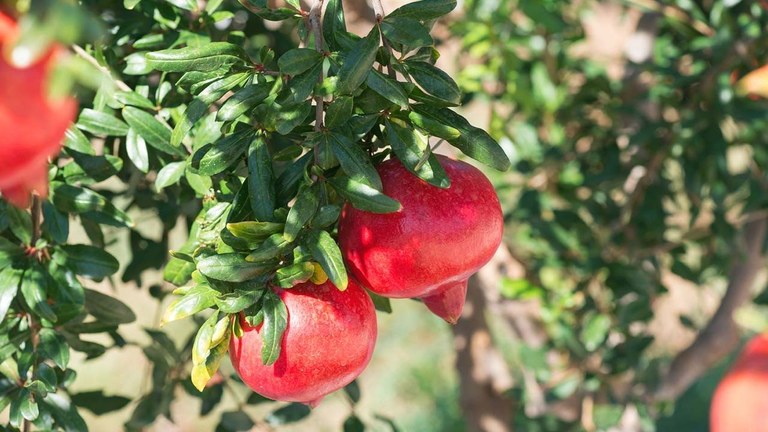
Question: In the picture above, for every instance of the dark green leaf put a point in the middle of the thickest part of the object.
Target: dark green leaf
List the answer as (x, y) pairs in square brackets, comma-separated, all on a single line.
[(225, 152), (353, 391), (134, 99), (287, 182), (53, 346), (76, 140), (381, 304), (326, 216), (21, 223), (9, 286), (64, 412), (364, 197), (107, 309), (261, 182), (406, 31), (55, 223), (99, 123), (98, 403), (354, 161), (208, 57), (245, 99), (339, 112), (288, 414), (231, 267), (301, 212), (325, 250), (195, 300), (353, 424), (270, 248), (424, 10), (34, 289), (334, 24), (155, 133), (433, 127), (236, 421), (358, 63), (287, 277), (275, 322), (237, 301), (434, 81), (387, 87), (196, 110), (298, 60), (413, 153), (74, 199), (215, 90), (255, 231), (90, 261)]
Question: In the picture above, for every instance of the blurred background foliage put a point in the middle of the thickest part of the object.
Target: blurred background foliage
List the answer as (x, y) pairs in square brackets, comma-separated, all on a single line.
[(637, 167)]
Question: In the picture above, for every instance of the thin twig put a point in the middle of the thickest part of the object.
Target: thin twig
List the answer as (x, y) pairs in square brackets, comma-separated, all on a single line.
[(426, 154), (378, 8), (92, 60), (37, 218)]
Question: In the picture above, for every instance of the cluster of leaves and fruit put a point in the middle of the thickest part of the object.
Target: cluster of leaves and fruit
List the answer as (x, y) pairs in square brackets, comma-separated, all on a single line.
[(196, 117), (622, 178)]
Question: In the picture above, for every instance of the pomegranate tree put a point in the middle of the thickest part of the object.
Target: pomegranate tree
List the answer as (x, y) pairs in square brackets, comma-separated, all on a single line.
[(431, 246), (740, 402), (327, 343)]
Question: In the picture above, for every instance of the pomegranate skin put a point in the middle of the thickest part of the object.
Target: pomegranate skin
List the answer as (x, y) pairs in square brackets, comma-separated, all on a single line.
[(432, 245), (32, 124), (740, 402), (328, 342)]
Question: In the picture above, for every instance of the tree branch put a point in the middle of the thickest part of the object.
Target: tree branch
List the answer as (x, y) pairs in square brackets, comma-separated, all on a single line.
[(316, 27), (721, 334), (92, 60)]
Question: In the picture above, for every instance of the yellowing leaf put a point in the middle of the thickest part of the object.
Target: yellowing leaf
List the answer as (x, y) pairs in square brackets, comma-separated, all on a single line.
[(319, 277)]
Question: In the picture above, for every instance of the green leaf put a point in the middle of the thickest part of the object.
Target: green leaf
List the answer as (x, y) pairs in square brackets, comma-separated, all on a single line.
[(196, 110), (326, 216), (387, 87), (231, 267), (334, 24), (301, 212), (325, 250), (27, 405), (406, 31), (353, 424), (20, 223), (381, 304), (107, 309), (433, 127), (136, 148), (289, 276), (288, 414), (74, 199), (364, 197), (169, 175), (595, 331), (201, 347), (53, 346), (261, 182), (215, 90), (98, 403), (424, 10), (88, 168), (55, 223), (195, 300), (275, 323), (410, 150), (473, 142), (354, 161), (358, 63), (9, 286), (298, 60), (270, 248), (287, 182), (434, 81), (99, 123), (76, 140), (90, 261), (244, 100), (225, 152), (134, 99), (237, 301), (64, 413), (236, 421), (155, 133), (207, 57), (339, 112), (255, 231), (34, 289)]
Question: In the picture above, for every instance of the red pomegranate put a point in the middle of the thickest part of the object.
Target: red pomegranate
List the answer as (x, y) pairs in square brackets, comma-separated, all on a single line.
[(740, 402), (328, 342), (32, 124), (432, 245)]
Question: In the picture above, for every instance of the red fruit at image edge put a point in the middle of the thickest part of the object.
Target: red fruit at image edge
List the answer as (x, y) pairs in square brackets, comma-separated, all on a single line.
[(32, 124), (328, 343), (431, 246), (740, 402)]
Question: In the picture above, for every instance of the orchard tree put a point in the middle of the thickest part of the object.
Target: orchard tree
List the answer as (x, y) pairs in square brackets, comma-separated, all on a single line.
[(263, 151)]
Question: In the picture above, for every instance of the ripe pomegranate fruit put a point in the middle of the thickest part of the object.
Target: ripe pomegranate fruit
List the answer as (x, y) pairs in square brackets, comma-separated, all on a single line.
[(740, 402), (32, 124), (431, 246), (328, 342)]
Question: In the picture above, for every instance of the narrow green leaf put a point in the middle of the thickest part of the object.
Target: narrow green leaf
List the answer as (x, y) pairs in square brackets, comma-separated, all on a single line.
[(275, 323), (197, 299), (255, 231), (301, 212), (54, 346), (98, 403), (325, 250), (288, 414), (201, 347), (339, 112), (169, 175), (20, 223), (55, 223), (136, 148), (225, 152), (434, 81), (156, 134), (406, 31), (354, 161), (76, 140), (208, 57), (34, 289), (358, 63), (215, 90), (300, 87), (194, 112), (334, 24), (74, 199), (243, 100), (298, 60), (107, 309), (261, 182), (424, 10), (410, 150), (433, 127), (289, 276), (270, 248), (390, 89), (364, 197), (90, 261), (231, 267), (9, 286), (134, 99), (100, 123), (237, 301)]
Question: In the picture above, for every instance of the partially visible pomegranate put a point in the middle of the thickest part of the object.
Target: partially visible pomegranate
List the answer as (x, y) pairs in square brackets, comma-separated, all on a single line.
[(432, 245), (754, 83), (740, 402), (32, 124), (328, 342)]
